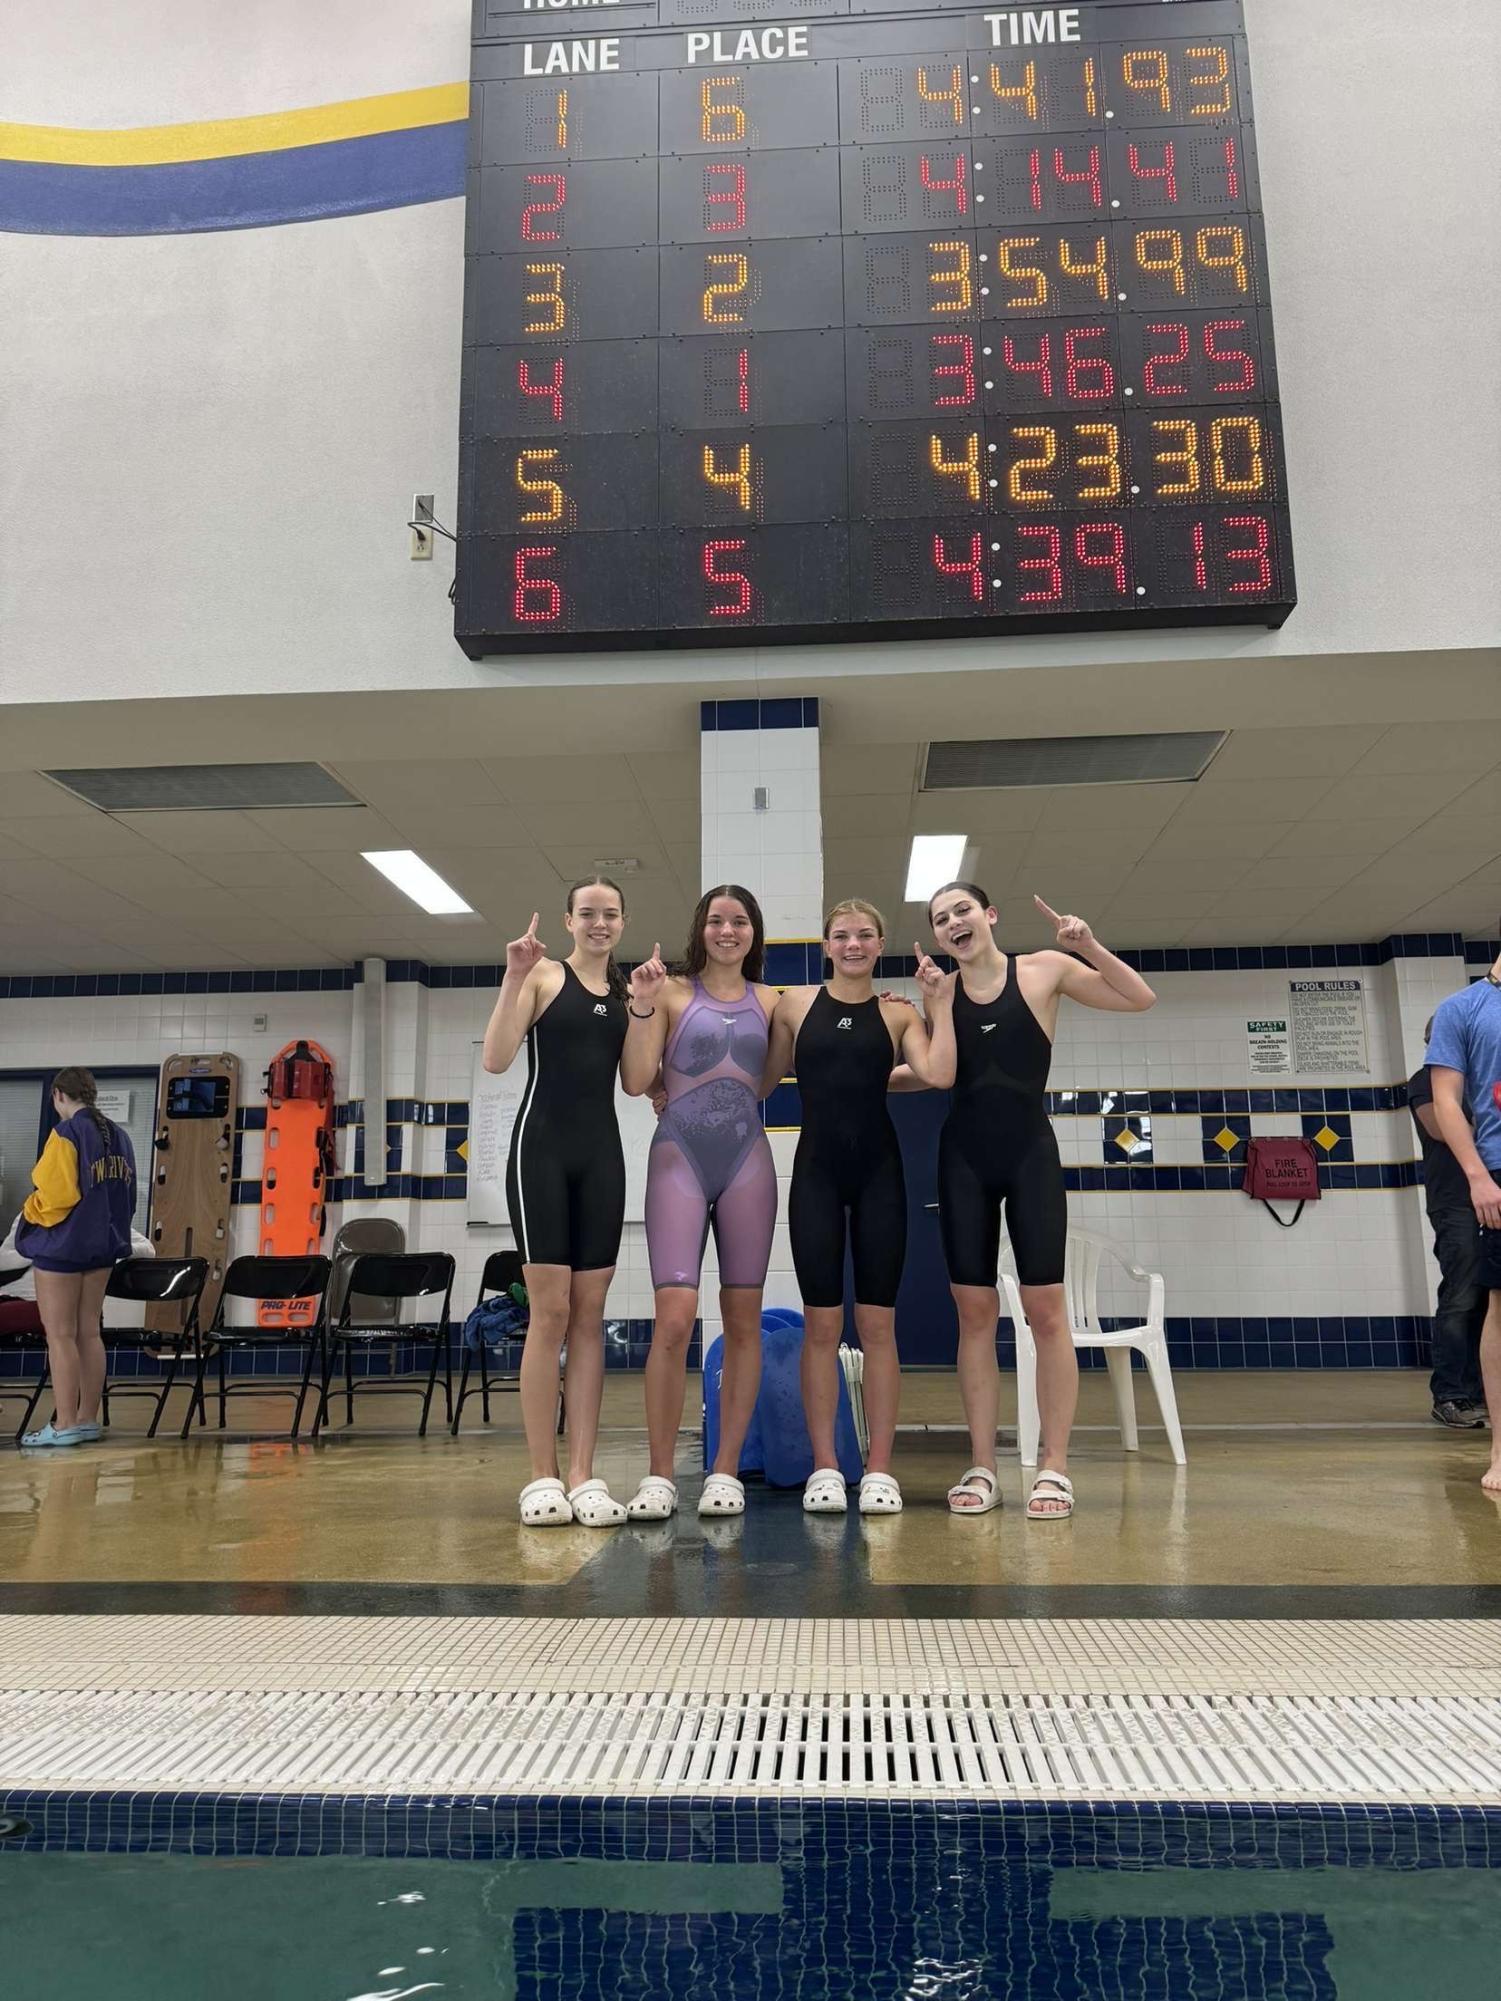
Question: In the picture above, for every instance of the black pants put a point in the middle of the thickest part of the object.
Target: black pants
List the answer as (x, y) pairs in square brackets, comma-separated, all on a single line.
[(1462, 1302)]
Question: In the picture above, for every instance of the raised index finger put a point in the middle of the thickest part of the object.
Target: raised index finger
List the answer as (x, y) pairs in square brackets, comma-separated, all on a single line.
[(531, 929), (1047, 910)]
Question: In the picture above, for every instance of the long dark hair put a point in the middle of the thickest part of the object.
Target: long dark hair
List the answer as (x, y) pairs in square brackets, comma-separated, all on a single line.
[(78, 1083), (970, 889), (696, 957), (618, 984)]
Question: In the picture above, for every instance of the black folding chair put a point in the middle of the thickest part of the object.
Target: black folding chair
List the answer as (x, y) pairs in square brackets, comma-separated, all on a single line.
[(502, 1270), (412, 1275), (27, 1341), (154, 1281), (261, 1278)]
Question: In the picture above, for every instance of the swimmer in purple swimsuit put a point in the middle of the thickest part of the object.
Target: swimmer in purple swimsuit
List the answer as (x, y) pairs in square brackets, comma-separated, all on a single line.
[(705, 1031)]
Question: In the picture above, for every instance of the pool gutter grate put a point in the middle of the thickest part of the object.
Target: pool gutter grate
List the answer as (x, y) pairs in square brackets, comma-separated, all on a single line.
[(1329, 1749)]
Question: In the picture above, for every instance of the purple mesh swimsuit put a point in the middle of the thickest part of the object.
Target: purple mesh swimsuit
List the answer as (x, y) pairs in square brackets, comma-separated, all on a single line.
[(710, 1159)]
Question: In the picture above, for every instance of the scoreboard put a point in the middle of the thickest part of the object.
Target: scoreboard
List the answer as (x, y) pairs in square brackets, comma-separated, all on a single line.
[(836, 319)]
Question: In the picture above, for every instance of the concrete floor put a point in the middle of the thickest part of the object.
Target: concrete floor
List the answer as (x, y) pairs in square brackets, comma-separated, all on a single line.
[(1329, 1489)]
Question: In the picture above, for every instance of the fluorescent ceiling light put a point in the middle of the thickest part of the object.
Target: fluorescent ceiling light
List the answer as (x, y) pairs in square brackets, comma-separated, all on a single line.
[(422, 884), (935, 860)]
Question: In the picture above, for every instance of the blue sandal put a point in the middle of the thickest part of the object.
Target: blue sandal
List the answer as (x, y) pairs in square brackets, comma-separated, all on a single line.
[(49, 1434)]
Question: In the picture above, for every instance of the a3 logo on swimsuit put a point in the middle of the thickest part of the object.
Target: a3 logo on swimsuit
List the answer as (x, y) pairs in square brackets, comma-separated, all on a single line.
[(845, 1021), (600, 1008)]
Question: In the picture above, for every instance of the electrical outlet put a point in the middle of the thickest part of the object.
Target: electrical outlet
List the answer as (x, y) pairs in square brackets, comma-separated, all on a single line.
[(422, 537)]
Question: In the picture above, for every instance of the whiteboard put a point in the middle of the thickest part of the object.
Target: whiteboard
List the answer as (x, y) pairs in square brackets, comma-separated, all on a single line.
[(493, 1105)]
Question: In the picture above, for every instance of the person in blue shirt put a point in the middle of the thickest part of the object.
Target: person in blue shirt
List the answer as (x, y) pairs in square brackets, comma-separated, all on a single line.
[(1459, 1314), (1464, 1062)]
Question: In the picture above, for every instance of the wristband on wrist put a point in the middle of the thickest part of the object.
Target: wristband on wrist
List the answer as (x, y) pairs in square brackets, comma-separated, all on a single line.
[(640, 1017)]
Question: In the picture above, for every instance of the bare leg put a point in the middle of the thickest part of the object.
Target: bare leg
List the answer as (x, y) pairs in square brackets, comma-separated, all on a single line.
[(740, 1310), (547, 1291), (819, 1374), (1057, 1382), (666, 1373), (57, 1298), (92, 1361), (1490, 1375), (883, 1382), (584, 1377), (979, 1309)]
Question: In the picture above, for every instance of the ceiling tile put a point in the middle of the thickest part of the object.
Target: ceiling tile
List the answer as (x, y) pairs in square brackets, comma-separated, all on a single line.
[(530, 781), (1312, 870), (1472, 747), (201, 834), (1242, 799), (1209, 840), (1111, 806), (666, 774), (459, 781), (1396, 793), (1363, 838), (64, 837), (27, 795), (434, 823), (1302, 752), (855, 769), (316, 830)]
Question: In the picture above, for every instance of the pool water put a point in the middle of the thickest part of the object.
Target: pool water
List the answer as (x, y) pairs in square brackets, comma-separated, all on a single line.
[(806, 1903)]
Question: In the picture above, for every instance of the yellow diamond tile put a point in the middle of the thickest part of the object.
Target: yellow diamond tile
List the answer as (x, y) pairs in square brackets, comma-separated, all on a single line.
[(1127, 1140), (1227, 1140), (1327, 1139)]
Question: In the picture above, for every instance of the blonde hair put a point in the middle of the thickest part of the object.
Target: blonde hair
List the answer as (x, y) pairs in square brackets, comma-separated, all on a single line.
[(857, 906)]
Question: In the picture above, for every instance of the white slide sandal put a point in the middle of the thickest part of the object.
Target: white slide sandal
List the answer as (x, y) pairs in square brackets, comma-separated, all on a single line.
[(1055, 1487), (545, 1505), (983, 1498), (655, 1500), (880, 1495), (595, 1506), (825, 1493), (723, 1494)]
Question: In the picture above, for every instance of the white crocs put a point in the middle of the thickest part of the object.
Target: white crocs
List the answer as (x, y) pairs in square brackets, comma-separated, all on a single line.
[(545, 1504), (595, 1506), (655, 1500), (880, 1495), (723, 1494), (824, 1493)]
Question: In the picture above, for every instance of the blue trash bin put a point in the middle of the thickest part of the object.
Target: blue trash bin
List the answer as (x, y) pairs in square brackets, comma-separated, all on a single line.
[(776, 1444)]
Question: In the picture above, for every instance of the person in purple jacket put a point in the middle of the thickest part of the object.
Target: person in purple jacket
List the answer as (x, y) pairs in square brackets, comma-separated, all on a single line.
[(74, 1227)]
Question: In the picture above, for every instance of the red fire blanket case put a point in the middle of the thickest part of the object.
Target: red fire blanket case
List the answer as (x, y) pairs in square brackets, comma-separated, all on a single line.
[(1282, 1170)]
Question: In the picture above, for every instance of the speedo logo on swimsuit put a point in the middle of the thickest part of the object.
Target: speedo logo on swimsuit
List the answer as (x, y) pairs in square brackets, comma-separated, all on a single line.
[(845, 1021), (600, 1008), (988, 1027)]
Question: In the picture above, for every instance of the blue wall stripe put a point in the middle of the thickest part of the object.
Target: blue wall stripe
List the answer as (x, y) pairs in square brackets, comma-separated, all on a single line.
[(244, 191)]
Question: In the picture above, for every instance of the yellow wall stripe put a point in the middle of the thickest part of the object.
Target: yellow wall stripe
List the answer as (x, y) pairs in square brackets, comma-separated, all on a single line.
[(222, 138)]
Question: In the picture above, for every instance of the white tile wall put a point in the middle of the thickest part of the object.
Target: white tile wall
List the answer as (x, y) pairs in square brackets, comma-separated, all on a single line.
[(777, 853), (1357, 1253)]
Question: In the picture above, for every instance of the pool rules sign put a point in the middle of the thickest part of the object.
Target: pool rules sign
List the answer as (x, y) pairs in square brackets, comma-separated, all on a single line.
[(1328, 1026)]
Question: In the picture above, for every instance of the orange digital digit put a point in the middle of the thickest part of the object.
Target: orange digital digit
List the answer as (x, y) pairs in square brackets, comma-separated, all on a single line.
[(966, 468), (1186, 455), (729, 292), (1023, 93), (958, 277), (1146, 70), (950, 93), (1096, 268), (1222, 247), (549, 492), (1043, 460), (551, 297), (1241, 468), (1107, 461), (1218, 80), (722, 120), (1030, 274), (735, 479), (1091, 91), (562, 118), (1161, 250)]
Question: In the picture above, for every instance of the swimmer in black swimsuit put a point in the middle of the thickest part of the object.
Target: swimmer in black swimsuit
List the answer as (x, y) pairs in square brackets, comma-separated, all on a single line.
[(565, 1186), (847, 1181), (998, 1147)]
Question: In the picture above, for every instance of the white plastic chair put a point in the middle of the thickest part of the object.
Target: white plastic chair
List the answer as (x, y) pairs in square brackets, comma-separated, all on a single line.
[(1081, 1278)]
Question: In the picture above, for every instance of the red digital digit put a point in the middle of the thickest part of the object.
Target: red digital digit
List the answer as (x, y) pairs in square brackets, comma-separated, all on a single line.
[(1201, 564), (968, 566), (1246, 382), (734, 581), (1166, 172), (525, 603), (551, 391), (559, 184), (1232, 170), (1101, 545), (1042, 367), (742, 371), (1088, 176), (1034, 175), (958, 186), (1259, 553), (724, 189), (1050, 562), (961, 370), (1095, 366), (1178, 334)]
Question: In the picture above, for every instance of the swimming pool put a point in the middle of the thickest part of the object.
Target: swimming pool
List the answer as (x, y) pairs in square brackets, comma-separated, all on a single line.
[(744, 1900)]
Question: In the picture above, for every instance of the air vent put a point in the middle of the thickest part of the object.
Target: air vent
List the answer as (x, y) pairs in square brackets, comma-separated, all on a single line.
[(205, 788), (1070, 760)]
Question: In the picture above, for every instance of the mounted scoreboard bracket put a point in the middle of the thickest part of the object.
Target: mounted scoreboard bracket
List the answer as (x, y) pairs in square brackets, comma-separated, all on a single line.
[(789, 320)]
